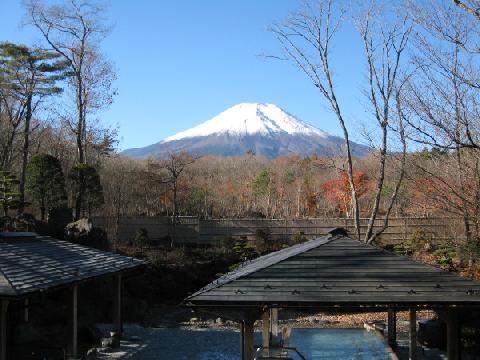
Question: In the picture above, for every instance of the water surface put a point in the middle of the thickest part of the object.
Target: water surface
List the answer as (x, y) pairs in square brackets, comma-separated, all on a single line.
[(208, 344)]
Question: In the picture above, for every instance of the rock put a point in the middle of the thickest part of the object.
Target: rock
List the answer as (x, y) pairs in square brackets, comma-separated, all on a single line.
[(79, 227), (107, 343), (83, 232), (91, 354), (378, 325)]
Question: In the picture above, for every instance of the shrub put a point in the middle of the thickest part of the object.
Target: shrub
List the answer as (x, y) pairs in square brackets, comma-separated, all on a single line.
[(141, 238), (470, 252), (299, 237), (402, 249), (227, 244), (419, 241), (243, 251), (58, 219), (263, 240), (444, 255)]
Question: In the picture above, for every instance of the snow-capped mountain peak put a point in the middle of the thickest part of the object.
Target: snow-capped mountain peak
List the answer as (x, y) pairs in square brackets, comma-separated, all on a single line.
[(263, 129), (250, 119)]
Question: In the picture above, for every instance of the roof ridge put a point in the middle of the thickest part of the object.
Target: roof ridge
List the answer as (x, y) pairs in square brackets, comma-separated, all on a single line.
[(248, 267)]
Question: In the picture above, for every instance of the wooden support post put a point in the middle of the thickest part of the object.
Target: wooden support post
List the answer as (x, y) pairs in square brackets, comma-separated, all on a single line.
[(266, 329), (3, 330), (274, 340), (413, 335), (248, 339), (74, 321), (242, 341), (25, 310), (117, 307), (392, 327), (453, 338)]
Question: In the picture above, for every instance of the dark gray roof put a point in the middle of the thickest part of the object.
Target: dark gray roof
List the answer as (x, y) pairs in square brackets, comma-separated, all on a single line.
[(333, 271), (33, 264)]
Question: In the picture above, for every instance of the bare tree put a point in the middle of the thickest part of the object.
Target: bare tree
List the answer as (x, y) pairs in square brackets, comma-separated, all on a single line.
[(470, 6), (444, 94), (306, 37), (170, 171), (74, 30), (385, 44)]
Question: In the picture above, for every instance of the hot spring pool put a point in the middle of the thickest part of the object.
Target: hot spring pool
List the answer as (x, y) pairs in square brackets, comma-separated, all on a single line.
[(207, 344), (339, 344)]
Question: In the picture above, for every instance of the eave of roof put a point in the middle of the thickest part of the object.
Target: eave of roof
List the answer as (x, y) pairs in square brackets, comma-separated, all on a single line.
[(337, 270), (41, 263)]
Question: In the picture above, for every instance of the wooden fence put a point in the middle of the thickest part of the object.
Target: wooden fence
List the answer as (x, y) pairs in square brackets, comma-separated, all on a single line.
[(191, 230)]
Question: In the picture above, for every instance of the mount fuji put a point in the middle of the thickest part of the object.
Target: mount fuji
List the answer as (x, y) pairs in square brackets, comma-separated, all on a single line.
[(264, 129)]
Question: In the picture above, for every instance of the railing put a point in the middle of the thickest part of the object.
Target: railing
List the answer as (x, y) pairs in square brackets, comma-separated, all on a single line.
[(277, 353)]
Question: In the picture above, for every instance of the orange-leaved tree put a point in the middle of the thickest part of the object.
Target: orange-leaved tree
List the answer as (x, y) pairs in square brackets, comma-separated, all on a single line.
[(337, 191)]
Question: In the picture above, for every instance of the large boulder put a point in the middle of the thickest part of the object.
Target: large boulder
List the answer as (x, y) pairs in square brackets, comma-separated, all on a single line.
[(79, 228), (83, 232)]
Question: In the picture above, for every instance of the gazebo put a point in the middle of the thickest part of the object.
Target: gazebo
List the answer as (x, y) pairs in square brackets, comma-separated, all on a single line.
[(31, 264), (338, 273)]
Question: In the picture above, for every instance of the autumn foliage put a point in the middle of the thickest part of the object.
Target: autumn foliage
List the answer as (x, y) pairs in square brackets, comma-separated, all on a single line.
[(337, 191)]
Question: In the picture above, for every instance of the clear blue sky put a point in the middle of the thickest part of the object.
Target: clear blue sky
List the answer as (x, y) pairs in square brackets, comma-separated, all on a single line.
[(180, 62)]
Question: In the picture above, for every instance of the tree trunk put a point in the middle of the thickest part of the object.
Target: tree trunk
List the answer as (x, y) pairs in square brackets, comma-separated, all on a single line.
[(174, 215), (26, 145), (42, 210), (379, 186), (80, 150)]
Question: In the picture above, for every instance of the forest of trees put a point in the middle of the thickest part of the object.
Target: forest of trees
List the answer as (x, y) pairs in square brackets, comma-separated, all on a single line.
[(421, 89)]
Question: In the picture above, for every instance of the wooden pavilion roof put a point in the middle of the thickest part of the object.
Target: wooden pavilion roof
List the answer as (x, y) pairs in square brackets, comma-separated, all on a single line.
[(336, 270), (31, 263)]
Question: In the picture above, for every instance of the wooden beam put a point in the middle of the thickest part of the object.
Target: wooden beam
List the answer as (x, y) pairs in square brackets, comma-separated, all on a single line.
[(117, 306), (392, 327), (74, 321), (248, 339), (3, 330), (453, 338), (412, 351)]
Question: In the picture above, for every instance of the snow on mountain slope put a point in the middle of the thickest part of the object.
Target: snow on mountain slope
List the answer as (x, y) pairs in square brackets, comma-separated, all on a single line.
[(249, 119), (264, 129)]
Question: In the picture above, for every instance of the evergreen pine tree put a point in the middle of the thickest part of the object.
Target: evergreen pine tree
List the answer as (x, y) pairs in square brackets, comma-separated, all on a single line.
[(27, 75), (45, 182)]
